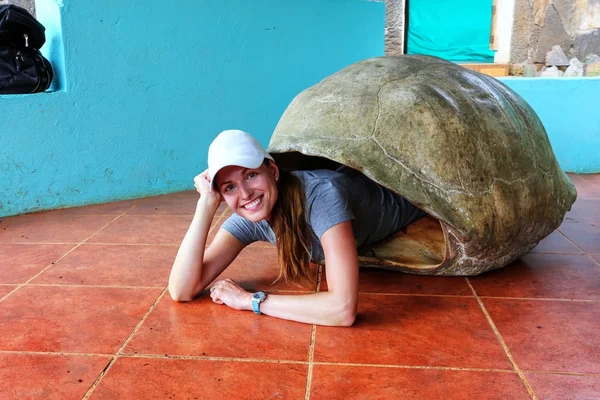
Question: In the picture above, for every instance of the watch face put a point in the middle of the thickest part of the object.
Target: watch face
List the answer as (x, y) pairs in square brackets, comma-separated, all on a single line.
[(258, 296)]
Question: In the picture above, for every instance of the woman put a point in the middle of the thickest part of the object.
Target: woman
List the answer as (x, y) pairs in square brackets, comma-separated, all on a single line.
[(316, 215)]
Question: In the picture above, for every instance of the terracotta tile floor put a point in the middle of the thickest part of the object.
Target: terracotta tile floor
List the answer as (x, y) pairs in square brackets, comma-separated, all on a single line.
[(84, 314)]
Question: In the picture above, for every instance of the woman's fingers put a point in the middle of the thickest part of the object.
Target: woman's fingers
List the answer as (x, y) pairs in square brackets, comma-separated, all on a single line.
[(202, 183), (214, 295), (228, 292)]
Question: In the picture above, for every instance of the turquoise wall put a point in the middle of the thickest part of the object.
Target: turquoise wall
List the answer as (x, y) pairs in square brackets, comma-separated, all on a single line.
[(569, 110), (143, 87), (147, 84)]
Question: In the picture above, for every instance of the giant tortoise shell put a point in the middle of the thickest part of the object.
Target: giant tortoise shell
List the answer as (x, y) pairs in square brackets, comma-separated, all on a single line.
[(458, 144)]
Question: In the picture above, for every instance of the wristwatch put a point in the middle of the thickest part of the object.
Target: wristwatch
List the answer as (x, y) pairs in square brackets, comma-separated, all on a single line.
[(257, 298)]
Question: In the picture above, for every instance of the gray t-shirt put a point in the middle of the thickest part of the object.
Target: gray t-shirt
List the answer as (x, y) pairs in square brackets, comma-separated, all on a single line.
[(333, 197)]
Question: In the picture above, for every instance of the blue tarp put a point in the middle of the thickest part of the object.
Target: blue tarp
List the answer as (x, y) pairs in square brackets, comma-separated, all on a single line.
[(456, 30)]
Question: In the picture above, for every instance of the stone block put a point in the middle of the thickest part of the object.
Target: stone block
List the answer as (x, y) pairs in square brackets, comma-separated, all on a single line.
[(591, 58), (530, 71), (552, 33), (592, 69), (552, 71), (587, 43), (556, 56), (575, 68)]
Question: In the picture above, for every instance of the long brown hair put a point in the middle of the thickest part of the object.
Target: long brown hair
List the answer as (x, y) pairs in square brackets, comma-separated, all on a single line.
[(288, 221)]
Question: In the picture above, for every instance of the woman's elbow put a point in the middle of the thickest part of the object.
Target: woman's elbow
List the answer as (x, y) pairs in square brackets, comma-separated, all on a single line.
[(179, 296), (346, 313), (348, 317)]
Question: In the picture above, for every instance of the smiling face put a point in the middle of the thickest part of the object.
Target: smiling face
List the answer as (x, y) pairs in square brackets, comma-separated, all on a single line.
[(249, 192)]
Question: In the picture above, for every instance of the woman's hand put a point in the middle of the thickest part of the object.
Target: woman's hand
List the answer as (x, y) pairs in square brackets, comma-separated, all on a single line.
[(203, 185), (230, 293)]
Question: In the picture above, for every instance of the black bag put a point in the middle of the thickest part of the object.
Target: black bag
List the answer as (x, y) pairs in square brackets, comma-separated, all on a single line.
[(23, 69)]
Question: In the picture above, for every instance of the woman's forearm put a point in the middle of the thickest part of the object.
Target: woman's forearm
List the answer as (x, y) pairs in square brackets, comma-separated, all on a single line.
[(324, 308), (187, 268)]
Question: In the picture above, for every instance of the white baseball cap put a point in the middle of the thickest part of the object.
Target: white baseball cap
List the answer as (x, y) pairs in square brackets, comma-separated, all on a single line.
[(234, 147)]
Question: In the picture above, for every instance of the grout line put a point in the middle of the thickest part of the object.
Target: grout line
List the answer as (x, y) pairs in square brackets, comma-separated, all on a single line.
[(430, 367), (311, 346), (160, 215), (417, 295), (593, 259), (319, 278), (555, 253), (576, 245), (64, 255), (296, 362), (49, 353), (503, 343), (99, 244), (214, 223), (540, 299), (9, 293), (311, 353), (208, 358), (572, 242), (95, 286), (562, 373), (292, 362), (288, 291), (41, 243), (588, 182), (115, 356), (137, 327), (116, 243)]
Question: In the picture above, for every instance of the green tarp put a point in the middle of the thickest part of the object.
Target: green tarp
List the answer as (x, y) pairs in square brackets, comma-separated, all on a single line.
[(456, 30)]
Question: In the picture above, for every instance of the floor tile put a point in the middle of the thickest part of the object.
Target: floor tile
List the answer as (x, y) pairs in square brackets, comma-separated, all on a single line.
[(182, 203), (584, 211), (556, 243), (564, 387), (596, 257), (585, 188), (54, 228), (344, 382), (584, 234), (44, 376), (20, 262), (71, 319), (414, 330), (203, 328), (373, 280), (113, 208), (591, 178), (6, 289), (145, 229), (146, 378), (257, 267), (118, 265), (557, 276), (542, 335)]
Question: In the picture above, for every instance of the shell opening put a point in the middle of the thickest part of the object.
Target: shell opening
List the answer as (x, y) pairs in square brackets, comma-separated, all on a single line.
[(418, 248)]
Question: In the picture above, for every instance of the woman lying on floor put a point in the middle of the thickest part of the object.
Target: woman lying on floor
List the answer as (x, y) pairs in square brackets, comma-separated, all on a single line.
[(315, 215)]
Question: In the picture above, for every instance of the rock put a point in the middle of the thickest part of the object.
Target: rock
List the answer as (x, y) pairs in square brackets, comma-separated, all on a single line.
[(550, 72), (556, 56), (591, 58), (588, 42), (552, 33), (529, 71), (592, 69), (575, 68)]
